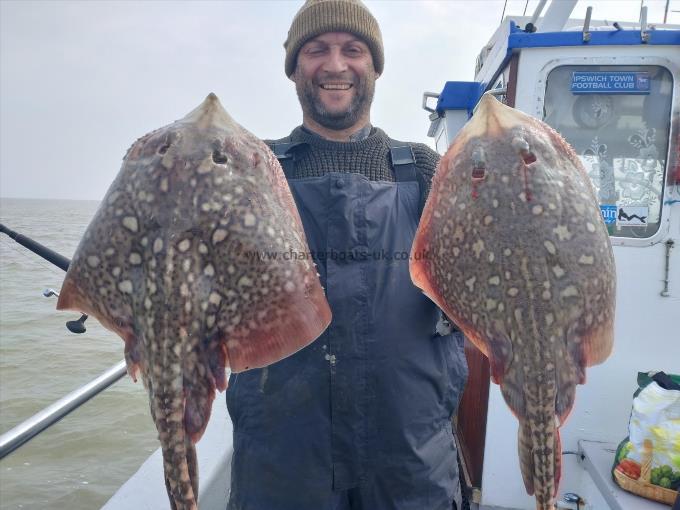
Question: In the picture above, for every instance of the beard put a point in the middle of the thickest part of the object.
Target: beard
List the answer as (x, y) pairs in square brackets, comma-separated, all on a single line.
[(308, 95)]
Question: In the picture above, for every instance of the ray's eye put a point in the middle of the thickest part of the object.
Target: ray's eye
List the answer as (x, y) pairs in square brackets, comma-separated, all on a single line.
[(522, 147), (170, 138), (528, 157), (219, 157), (478, 173), (478, 164)]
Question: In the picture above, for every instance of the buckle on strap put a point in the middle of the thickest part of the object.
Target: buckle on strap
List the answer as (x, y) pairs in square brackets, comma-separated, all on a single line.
[(283, 150), (402, 155), (403, 163), (444, 325), (285, 153)]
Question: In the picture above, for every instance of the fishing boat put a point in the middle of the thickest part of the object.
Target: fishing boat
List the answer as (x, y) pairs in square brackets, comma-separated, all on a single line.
[(612, 90)]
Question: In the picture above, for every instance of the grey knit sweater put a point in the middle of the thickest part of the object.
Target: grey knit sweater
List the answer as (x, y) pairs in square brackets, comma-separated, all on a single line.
[(369, 157)]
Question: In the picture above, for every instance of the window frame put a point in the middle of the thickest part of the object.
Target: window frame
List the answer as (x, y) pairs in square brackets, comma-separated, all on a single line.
[(614, 61)]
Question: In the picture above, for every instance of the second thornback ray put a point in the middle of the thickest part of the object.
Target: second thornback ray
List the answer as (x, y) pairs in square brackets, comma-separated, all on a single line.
[(181, 261), (512, 246)]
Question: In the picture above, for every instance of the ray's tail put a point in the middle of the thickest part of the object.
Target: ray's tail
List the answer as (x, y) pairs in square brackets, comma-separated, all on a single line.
[(179, 453), (540, 451), (165, 384)]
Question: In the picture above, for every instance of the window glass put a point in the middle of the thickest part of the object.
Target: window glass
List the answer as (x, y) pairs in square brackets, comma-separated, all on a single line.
[(617, 119)]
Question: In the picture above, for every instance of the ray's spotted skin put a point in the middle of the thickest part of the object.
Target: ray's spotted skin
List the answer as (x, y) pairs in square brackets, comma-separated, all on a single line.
[(513, 248), (177, 261)]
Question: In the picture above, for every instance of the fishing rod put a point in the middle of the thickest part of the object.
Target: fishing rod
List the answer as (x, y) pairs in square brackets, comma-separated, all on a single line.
[(25, 431), (77, 326), (43, 251)]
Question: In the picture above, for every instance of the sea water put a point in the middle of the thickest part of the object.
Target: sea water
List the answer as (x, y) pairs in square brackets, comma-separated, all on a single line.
[(83, 459)]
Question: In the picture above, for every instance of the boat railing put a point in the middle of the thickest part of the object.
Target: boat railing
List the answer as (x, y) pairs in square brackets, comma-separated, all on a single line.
[(26, 430)]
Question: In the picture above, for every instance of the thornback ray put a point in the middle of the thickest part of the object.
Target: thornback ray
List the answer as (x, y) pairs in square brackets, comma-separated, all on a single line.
[(182, 261), (513, 248)]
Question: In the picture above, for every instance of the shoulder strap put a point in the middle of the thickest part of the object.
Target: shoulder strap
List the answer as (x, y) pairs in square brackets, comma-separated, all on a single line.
[(285, 153), (403, 161), (404, 167)]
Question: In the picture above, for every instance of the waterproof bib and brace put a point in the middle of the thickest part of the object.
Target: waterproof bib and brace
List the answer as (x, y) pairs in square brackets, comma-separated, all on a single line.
[(360, 418)]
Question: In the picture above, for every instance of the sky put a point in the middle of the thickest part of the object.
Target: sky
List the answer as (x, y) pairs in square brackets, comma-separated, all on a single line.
[(80, 81)]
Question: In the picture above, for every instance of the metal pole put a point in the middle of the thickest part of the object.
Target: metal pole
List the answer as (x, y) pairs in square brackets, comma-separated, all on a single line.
[(557, 15), (666, 281), (586, 25), (538, 11), (28, 429), (644, 33)]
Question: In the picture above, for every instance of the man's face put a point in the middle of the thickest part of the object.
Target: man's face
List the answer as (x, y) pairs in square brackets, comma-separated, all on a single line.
[(335, 80)]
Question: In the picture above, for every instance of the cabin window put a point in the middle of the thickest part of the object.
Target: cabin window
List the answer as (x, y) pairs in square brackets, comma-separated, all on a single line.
[(617, 119)]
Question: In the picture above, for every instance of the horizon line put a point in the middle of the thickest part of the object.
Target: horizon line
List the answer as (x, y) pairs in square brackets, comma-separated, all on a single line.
[(53, 198)]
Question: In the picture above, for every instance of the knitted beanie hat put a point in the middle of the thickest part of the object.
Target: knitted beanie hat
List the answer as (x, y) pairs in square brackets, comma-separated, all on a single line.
[(317, 17)]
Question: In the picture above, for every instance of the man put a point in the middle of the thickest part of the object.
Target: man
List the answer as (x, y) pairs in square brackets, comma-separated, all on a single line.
[(359, 419)]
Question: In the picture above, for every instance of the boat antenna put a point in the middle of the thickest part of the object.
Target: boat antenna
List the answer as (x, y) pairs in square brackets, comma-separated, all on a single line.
[(525, 8), (665, 12), (503, 13)]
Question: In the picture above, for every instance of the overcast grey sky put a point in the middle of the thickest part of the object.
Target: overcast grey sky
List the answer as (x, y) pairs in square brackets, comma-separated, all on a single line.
[(81, 80)]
